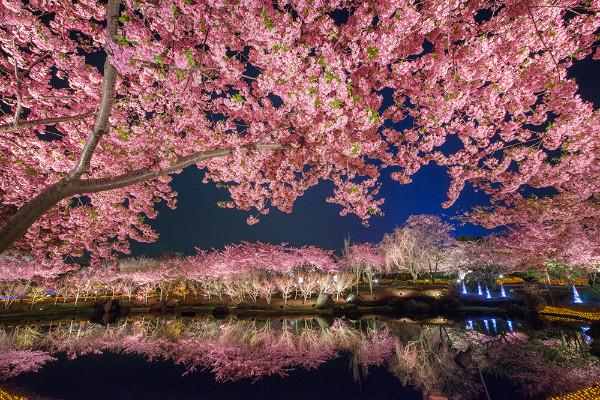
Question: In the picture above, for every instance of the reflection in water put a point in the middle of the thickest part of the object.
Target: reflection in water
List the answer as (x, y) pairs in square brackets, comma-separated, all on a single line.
[(436, 357)]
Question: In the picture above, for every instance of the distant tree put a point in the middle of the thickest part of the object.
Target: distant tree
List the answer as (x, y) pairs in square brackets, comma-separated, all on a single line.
[(434, 235), (403, 251), (364, 259)]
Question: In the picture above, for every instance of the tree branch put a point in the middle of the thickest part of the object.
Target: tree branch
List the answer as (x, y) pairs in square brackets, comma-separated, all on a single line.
[(173, 67), (108, 94), (145, 174), (44, 121), (541, 37), (18, 224), (18, 82)]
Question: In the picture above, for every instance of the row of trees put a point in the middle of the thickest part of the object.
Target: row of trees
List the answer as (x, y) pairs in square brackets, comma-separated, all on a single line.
[(424, 245), (247, 271)]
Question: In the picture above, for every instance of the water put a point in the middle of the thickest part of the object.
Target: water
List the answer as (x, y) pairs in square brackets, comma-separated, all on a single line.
[(172, 357)]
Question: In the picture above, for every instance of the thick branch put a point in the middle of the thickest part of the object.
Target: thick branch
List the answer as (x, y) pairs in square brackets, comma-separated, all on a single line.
[(44, 121), (21, 221), (108, 95), (144, 174), (173, 67)]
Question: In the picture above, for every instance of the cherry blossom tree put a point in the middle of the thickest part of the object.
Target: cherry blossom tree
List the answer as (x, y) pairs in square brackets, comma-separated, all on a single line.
[(403, 252), (17, 273), (485, 257), (434, 236), (365, 259), (271, 106)]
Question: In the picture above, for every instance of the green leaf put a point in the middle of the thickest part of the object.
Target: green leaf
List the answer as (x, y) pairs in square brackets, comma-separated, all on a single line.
[(94, 214), (123, 133), (189, 56), (267, 19), (372, 52), (336, 103), (355, 149), (238, 98), (331, 77), (123, 19), (312, 90), (349, 88), (373, 115), (176, 11), (31, 171), (123, 40), (159, 60)]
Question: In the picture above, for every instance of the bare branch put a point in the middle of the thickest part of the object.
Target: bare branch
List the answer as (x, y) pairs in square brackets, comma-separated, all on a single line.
[(173, 67), (18, 81), (541, 37), (108, 94), (44, 121)]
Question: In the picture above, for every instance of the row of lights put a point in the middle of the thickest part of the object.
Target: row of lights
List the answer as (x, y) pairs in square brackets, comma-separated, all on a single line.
[(4, 395), (588, 315), (486, 323), (488, 295), (583, 394)]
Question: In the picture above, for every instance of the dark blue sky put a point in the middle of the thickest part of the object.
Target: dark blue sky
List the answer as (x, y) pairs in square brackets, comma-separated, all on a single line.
[(199, 222)]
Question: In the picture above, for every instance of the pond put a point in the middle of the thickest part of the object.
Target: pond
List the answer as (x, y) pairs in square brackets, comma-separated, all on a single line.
[(300, 357)]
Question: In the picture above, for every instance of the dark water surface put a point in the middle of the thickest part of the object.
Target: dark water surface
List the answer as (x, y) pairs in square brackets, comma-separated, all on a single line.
[(169, 357)]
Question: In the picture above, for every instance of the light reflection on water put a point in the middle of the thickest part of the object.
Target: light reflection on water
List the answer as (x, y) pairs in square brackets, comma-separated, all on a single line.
[(436, 355)]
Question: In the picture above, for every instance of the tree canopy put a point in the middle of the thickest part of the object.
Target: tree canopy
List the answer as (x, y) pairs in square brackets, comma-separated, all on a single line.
[(271, 98)]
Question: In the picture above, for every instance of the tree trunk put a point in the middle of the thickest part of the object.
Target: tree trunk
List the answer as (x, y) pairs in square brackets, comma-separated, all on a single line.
[(431, 272), (18, 224)]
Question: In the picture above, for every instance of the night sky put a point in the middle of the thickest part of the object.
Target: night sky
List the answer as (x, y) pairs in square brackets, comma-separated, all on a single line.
[(199, 222)]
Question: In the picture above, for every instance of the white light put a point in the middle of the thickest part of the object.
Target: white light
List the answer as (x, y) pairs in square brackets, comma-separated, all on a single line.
[(501, 276), (335, 278), (300, 279), (458, 281)]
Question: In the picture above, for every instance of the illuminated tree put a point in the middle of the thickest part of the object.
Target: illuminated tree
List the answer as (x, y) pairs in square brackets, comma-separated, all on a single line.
[(272, 106), (364, 259), (403, 252), (434, 236)]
